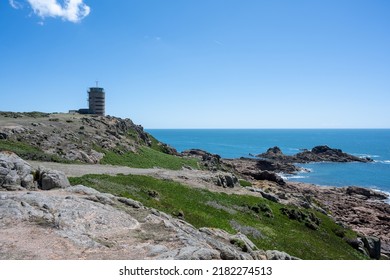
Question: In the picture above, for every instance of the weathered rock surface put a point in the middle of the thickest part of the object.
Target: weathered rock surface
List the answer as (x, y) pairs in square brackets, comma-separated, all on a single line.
[(251, 165), (64, 222), (51, 179), (317, 154), (226, 180), (211, 161), (363, 210), (15, 173), (81, 223)]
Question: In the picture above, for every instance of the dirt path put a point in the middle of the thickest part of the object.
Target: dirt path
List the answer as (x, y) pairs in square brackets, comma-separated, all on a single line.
[(77, 170)]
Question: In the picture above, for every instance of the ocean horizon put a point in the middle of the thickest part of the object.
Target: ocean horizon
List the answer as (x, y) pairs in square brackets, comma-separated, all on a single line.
[(235, 143)]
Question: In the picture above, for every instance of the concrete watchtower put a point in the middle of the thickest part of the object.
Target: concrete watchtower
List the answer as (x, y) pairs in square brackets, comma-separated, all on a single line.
[(97, 101)]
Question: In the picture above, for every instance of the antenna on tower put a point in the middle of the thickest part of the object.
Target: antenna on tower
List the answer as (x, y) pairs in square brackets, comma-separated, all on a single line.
[(97, 83)]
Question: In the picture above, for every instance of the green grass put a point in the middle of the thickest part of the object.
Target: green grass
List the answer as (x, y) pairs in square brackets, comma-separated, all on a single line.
[(245, 183), (29, 152), (147, 158), (277, 232)]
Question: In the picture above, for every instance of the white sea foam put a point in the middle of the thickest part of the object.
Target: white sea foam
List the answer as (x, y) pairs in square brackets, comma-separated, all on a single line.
[(366, 156), (383, 161), (297, 177), (289, 177)]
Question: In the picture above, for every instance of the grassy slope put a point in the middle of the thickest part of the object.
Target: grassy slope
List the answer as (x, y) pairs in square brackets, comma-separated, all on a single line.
[(147, 158), (24, 150), (144, 158), (279, 232)]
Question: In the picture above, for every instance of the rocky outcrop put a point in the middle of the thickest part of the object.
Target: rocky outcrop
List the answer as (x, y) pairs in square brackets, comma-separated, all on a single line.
[(17, 174), (66, 137), (366, 193), (361, 209), (51, 179), (373, 246), (253, 169), (286, 168), (266, 175), (317, 154), (211, 161), (82, 223), (226, 180)]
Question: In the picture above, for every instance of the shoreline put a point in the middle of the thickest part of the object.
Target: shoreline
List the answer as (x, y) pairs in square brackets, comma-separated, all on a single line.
[(362, 209)]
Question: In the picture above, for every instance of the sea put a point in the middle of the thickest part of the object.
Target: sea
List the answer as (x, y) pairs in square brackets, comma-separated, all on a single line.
[(235, 143)]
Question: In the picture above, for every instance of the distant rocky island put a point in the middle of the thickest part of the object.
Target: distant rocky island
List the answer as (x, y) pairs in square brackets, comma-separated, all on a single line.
[(99, 187), (317, 154)]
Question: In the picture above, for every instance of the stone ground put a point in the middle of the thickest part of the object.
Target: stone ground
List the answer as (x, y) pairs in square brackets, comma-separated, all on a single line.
[(81, 223)]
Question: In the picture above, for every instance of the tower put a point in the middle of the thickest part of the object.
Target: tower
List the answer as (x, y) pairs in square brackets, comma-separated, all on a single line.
[(97, 100)]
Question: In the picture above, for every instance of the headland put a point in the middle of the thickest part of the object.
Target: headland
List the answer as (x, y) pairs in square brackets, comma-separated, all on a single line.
[(134, 192)]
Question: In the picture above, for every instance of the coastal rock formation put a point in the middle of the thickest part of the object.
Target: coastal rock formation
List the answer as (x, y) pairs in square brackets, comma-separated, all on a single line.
[(253, 169), (317, 154), (358, 208)]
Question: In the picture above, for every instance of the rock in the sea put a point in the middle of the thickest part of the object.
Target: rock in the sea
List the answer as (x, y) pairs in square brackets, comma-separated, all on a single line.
[(15, 173), (317, 154)]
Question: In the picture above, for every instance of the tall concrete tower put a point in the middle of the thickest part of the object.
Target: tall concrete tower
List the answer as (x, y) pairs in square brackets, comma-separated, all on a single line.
[(97, 101)]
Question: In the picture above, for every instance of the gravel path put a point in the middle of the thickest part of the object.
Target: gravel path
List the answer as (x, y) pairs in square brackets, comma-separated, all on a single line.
[(77, 170)]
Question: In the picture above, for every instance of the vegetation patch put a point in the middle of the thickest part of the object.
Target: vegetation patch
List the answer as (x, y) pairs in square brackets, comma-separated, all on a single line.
[(308, 218), (277, 233), (28, 152), (245, 183), (147, 157)]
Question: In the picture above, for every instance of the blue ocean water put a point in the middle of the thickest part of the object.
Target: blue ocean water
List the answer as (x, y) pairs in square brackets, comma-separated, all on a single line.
[(233, 143)]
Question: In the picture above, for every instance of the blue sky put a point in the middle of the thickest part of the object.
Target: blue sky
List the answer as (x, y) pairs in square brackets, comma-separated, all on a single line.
[(202, 63)]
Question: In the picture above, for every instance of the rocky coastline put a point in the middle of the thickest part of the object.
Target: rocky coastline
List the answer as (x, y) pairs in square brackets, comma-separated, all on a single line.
[(364, 210), (25, 190)]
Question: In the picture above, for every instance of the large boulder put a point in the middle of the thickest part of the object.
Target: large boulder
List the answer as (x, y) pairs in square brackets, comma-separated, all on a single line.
[(15, 173), (265, 175), (226, 180), (52, 179), (366, 193)]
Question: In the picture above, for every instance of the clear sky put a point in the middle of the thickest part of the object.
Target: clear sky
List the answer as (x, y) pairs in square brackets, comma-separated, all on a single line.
[(202, 63)]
